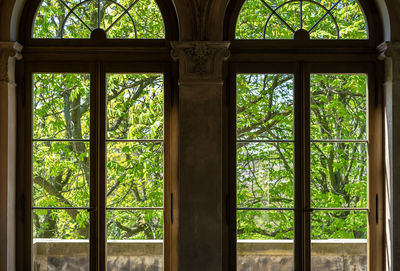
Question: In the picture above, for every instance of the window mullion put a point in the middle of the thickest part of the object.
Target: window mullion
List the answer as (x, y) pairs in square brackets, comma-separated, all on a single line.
[(302, 168), (102, 170), (94, 156), (97, 161), (307, 170)]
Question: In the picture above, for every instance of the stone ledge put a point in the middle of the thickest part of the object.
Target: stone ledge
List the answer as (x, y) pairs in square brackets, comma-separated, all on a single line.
[(342, 247), (146, 255)]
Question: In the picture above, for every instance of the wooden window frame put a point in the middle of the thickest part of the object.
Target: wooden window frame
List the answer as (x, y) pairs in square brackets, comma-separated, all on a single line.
[(302, 72), (302, 58), (96, 57)]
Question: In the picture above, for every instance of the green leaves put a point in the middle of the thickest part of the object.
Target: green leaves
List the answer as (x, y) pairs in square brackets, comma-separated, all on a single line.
[(121, 19), (135, 225), (60, 224), (135, 106), (265, 169), (338, 111), (265, 225), (264, 106), (61, 106), (265, 175), (135, 174), (324, 19), (60, 174)]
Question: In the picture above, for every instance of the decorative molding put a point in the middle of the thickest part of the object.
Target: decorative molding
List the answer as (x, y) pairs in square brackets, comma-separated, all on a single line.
[(388, 49), (390, 53), (8, 51), (200, 61)]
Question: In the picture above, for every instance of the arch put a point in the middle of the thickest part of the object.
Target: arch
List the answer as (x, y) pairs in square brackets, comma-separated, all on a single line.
[(345, 17), (376, 15), (176, 10), (166, 10), (55, 18)]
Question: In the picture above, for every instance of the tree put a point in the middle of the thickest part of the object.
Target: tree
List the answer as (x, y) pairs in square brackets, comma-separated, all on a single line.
[(61, 169)]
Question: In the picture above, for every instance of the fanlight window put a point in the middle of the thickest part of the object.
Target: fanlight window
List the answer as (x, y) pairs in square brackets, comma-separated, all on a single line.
[(120, 19), (322, 19)]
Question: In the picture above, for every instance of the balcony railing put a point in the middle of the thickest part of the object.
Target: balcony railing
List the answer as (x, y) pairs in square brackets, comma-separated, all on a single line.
[(332, 255)]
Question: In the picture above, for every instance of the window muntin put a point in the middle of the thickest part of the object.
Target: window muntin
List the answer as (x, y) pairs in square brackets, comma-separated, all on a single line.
[(322, 19), (120, 19)]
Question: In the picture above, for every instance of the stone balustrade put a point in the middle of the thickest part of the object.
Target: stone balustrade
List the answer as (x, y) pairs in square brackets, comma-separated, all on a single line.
[(146, 255)]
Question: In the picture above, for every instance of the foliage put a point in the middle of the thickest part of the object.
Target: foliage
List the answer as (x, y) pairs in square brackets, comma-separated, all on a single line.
[(134, 132), (265, 169), (61, 154), (279, 19), (121, 19)]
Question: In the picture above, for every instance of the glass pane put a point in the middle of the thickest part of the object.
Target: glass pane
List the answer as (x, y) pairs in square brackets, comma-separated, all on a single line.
[(326, 28), (324, 19), (264, 106), (265, 175), (339, 175), (350, 18), (289, 14), (135, 240), (135, 174), (148, 20), (339, 106), (49, 19), (125, 27), (61, 173), (249, 25), (86, 11), (277, 29), (142, 19), (339, 240), (61, 106), (135, 106), (60, 240), (265, 240), (75, 28), (119, 18)]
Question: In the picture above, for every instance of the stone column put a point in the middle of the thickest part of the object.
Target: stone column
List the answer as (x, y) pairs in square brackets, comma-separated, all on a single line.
[(9, 52), (390, 53), (200, 154)]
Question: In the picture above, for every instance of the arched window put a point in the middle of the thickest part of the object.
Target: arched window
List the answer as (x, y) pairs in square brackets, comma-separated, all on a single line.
[(95, 149), (260, 19), (139, 19), (305, 145)]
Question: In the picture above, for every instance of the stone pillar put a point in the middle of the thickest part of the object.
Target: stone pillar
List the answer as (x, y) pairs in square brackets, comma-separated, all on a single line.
[(200, 154), (390, 53), (9, 52)]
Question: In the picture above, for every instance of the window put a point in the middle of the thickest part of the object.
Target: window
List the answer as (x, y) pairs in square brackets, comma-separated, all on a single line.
[(119, 19), (305, 168), (96, 135), (342, 19)]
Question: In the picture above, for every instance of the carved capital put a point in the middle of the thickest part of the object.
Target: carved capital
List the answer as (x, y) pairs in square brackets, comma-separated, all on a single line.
[(390, 53), (389, 49), (200, 62), (9, 51)]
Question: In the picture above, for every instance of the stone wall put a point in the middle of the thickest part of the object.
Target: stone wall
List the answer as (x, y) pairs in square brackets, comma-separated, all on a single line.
[(277, 255)]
